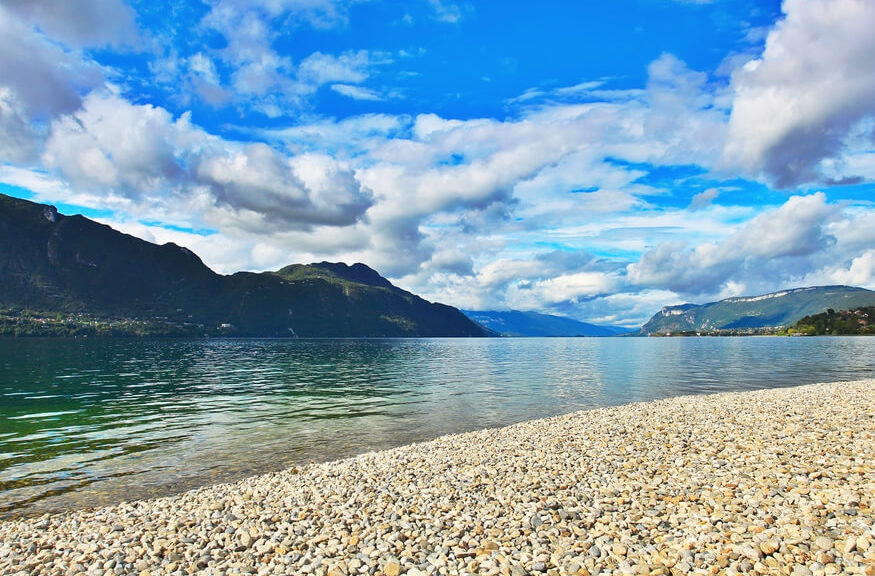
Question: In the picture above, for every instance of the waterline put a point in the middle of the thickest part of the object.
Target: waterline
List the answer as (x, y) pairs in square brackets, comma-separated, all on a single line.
[(84, 423)]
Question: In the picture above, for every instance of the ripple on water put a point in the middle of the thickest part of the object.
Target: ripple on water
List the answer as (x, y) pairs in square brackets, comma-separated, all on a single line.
[(102, 420)]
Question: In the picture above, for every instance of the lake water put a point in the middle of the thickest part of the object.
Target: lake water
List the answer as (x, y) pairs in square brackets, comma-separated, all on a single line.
[(90, 422)]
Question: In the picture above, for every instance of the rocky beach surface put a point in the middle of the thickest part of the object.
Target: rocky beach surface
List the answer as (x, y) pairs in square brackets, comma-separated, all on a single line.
[(778, 481)]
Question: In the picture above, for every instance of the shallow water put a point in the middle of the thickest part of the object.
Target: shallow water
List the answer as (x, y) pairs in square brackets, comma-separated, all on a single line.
[(91, 422)]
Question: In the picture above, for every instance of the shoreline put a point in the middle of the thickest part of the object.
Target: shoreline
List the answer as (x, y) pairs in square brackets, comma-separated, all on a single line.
[(775, 480)]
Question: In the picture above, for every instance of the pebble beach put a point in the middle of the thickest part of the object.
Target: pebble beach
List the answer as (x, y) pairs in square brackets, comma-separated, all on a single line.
[(777, 481)]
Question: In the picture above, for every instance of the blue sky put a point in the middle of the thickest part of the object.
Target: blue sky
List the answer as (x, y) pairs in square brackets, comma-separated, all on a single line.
[(592, 159)]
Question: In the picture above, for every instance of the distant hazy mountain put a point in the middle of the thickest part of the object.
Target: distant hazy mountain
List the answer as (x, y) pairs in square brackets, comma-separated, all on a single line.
[(515, 323), (68, 265), (778, 309)]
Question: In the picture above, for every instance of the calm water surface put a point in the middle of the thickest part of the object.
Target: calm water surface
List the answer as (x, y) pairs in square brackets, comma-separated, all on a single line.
[(89, 422)]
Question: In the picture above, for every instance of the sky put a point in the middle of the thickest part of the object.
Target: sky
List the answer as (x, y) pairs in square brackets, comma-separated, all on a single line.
[(597, 160)]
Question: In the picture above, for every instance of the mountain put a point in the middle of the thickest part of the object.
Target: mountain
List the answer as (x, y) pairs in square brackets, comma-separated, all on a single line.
[(515, 323), (64, 267), (778, 309)]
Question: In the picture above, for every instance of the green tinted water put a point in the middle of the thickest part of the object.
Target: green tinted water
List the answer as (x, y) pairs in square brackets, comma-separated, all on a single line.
[(90, 422)]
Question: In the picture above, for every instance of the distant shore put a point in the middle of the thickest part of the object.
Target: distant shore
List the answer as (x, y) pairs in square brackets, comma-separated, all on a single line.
[(773, 481)]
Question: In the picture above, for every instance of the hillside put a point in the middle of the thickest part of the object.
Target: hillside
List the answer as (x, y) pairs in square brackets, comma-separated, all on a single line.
[(515, 323), (746, 314), (859, 321), (71, 270)]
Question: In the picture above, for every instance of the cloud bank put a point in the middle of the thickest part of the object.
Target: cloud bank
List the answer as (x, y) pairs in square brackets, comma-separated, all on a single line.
[(596, 202)]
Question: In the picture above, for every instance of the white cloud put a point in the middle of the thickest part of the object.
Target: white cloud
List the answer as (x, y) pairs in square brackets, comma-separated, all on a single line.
[(262, 77), (224, 15), (110, 144), (861, 272), (795, 229), (627, 308), (318, 68), (795, 106), (18, 139), (684, 114), (80, 22), (45, 78), (144, 153), (858, 271), (565, 288), (703, 199), (40, 183), (204, 67), (357, 92), (205, 80), (805, 241), (251, 72), (258, 68), (354, 135), (446, 11), (772, 249)]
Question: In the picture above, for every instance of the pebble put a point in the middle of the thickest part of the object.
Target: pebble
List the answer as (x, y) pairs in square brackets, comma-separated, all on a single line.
[(619, 549), (595, 551), (777, 481)]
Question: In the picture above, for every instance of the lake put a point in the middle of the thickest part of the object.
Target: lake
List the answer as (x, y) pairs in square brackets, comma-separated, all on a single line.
[(90, 422)]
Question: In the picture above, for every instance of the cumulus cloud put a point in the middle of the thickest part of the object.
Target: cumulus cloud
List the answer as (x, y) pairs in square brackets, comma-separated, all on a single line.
[(303, 192), (142, 152), (795, 105), (112, 144), (771, 248), (45, 78), (861, 271), (39, 80), (439, 182), (447, 180)]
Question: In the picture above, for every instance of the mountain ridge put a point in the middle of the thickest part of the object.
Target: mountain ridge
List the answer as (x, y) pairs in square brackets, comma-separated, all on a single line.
[(68, 265), (742, 314), (534, 324)]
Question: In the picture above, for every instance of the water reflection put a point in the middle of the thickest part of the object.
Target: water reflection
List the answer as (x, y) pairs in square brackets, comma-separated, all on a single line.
[(88, 422)]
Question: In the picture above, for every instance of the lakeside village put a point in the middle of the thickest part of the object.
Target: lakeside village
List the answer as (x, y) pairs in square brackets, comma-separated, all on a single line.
[(25, 323), (30, 323)]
